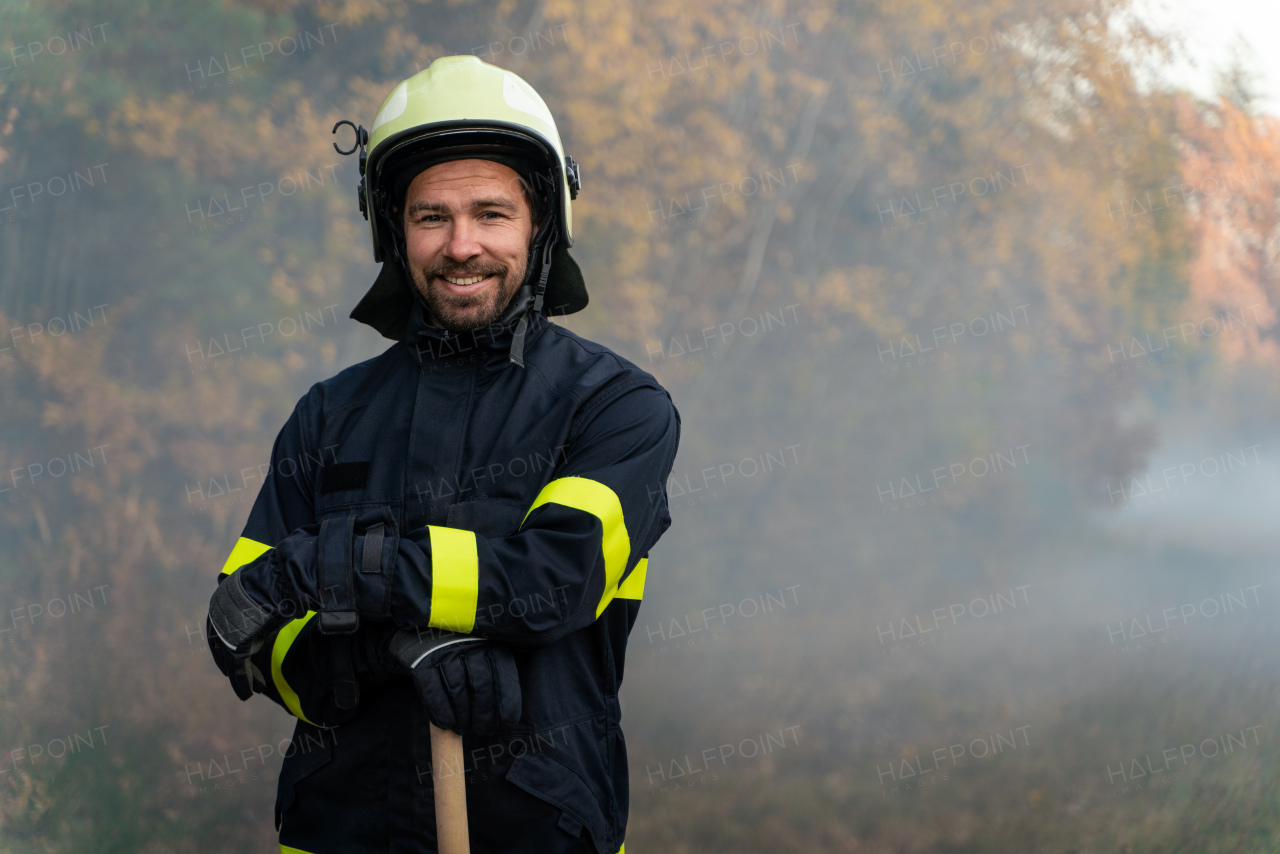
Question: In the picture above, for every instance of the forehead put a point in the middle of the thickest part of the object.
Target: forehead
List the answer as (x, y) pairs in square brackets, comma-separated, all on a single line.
[(456, 180)]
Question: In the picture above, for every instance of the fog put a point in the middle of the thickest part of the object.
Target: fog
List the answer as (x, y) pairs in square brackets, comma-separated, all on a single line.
[(973, 338)]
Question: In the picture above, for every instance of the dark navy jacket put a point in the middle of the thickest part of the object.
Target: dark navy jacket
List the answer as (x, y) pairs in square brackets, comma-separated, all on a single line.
[(544, 488)]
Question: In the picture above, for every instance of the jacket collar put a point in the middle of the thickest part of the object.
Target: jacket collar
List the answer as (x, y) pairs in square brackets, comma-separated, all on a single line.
[(430, 343)]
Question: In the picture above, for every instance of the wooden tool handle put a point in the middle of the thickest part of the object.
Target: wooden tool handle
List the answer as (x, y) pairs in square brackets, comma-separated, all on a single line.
[(451, 791)]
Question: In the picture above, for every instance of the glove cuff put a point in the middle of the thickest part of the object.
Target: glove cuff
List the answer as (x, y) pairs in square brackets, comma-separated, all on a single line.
[(236, 617), (410, 646), (235, 669)]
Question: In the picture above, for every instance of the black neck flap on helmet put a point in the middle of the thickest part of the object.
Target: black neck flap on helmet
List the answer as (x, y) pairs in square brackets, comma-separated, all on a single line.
[(553, 283)]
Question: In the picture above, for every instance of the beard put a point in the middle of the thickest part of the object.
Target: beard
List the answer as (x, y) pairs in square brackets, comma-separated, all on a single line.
[(465, 312)]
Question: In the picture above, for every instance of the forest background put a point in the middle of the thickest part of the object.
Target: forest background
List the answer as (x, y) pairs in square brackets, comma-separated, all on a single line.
[(972, 326)]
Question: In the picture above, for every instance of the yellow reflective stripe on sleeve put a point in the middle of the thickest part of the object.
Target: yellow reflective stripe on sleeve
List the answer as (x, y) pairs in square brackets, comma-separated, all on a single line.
[(593, 497), (633, 586), (455, 579), (285, 849), (284, 640), (246, 551)]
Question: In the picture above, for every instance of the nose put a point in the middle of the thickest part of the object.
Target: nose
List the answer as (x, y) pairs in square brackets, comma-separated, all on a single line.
[(462, 245)]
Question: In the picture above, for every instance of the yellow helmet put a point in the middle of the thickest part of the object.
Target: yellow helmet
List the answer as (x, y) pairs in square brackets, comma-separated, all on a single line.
[(463, 107)]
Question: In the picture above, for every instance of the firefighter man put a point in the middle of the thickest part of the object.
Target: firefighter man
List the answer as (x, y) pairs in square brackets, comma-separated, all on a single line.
[(491, 475)]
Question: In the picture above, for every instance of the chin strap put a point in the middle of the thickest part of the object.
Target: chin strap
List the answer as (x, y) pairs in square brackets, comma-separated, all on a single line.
[(517, 337)]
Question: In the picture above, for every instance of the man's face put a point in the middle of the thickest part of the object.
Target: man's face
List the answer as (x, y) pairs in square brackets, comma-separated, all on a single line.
[(467, 230)]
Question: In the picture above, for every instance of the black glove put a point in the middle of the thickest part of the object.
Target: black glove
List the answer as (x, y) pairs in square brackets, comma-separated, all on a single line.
[(238, 618), (245, 677), (339, 568), (469, 685)]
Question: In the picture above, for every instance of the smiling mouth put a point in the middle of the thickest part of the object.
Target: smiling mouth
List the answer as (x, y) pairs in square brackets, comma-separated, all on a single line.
[(464, 284)]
